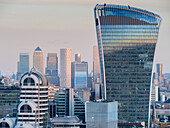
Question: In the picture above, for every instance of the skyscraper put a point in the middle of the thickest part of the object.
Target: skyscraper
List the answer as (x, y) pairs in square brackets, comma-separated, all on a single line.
[(52, 69), (159, 69), (79, 73), (23, 64), (65, 67), (38, 62), (127, 38), (52, 64), (96, 66), (78, 57)]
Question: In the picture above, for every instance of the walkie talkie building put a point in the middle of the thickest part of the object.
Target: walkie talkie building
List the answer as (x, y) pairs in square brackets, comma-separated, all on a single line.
[(127, 38)]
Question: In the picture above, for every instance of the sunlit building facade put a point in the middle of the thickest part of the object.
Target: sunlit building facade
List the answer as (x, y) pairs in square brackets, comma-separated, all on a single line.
[(65, 67), (159, 69), (38, 60), (96, 66), (127, 39), (33, 107)]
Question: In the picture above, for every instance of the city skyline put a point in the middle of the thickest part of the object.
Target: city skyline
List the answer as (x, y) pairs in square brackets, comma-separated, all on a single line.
[(52, 33)]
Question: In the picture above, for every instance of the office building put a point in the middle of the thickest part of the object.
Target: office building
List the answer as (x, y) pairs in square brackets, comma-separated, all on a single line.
[(22, 64), (38, 60), (96, 65), (68, 103), (79, 74), (89, 82), (52, 89), (84, 94), (52, 69), (78, 57), (97, 91), (33, 107), (154, 93), (52, 64), (159, 69), (9, 100), (65, 68), (127, 37), (101, 114)]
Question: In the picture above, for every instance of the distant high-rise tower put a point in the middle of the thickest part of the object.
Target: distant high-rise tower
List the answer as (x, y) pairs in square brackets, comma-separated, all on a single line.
[(96, 65), (78, 57), (127, 38), (159, 69), (52, 69), (52, 64), (23, 64), (65, 68), (79, 73), (38, 62)]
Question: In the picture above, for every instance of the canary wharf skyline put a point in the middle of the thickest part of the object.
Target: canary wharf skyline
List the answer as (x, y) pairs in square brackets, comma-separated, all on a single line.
[(52, 25)]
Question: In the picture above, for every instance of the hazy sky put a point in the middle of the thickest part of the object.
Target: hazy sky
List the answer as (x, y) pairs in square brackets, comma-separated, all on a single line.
[(55, 24)]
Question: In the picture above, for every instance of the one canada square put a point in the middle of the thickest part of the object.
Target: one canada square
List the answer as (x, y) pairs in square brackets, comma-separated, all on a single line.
[(127, 38)]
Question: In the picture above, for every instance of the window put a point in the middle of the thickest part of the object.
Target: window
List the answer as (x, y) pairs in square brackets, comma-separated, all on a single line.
[(29, 81), (26, 109)]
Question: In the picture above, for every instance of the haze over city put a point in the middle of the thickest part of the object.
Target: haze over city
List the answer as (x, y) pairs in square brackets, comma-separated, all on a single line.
[(52, 25), (84, 64)]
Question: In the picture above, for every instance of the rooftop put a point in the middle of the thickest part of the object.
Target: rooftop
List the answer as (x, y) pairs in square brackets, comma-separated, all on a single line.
[(66, 119), (98, 6), (38, 49), (167, 101)]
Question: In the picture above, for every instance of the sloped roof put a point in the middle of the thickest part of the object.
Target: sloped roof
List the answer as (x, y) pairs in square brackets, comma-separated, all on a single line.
[(38, 49)]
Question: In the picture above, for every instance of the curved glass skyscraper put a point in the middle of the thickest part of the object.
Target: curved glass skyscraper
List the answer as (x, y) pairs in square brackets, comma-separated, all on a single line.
[(127, 39)]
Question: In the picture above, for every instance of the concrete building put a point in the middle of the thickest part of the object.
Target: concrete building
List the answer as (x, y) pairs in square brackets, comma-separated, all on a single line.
[(79, 74), (33, 107), (38, 60), (65, 68), (127, 37), (101, 114), (7, 122)]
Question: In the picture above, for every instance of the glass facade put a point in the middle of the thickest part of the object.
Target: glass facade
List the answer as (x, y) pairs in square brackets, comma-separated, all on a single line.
[(127, 38), (79, 75), (52, 64), (9, 100)]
